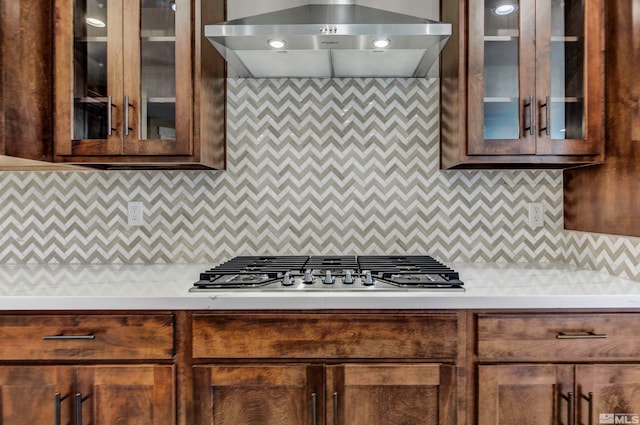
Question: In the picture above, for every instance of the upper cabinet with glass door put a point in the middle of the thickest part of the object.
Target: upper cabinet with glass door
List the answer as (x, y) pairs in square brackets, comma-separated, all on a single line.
[(123, 81), (535, 80)]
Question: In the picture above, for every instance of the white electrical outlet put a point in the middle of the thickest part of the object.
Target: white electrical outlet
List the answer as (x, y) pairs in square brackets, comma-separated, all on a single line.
[(536, 214), (135, 216)]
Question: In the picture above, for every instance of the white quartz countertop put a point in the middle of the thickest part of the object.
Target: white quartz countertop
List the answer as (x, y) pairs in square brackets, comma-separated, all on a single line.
[(166, 287)]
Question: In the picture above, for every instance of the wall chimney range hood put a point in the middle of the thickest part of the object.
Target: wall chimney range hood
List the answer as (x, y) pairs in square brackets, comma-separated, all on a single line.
[(329, 39)]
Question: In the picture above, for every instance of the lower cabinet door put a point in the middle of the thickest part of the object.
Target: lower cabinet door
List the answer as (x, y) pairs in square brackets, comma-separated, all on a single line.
[(264, 394), (608, 393), (525, 394), (126, 394), (36, 395), (407, 394)]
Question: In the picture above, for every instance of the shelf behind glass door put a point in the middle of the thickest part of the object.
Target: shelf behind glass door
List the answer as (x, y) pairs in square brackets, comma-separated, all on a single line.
[(158, 73), (90, 90), (567, 70), (501, 89)]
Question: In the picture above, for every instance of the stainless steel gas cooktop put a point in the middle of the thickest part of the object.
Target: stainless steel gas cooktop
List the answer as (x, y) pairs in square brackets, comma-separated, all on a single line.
[(333, 273)]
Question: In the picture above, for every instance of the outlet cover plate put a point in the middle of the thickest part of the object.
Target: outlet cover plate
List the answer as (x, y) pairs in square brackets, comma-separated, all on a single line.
[(135, 213)]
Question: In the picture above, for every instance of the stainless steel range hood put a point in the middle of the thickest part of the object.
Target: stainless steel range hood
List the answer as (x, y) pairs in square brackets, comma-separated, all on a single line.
[(329, 38)]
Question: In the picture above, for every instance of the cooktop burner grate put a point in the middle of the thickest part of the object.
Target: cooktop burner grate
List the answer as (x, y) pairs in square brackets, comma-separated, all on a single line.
[(330, 272)]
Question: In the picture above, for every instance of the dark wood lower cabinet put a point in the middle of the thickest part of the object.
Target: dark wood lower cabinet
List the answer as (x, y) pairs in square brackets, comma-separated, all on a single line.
[(403, 394), (28, 394), (105, 394), (354, 394), (261, 394), (609, 392), (554, 394)]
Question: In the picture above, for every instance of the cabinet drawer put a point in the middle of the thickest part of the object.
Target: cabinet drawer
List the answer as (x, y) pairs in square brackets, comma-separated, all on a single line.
[(559, 337), (76, 337), (296, 336)]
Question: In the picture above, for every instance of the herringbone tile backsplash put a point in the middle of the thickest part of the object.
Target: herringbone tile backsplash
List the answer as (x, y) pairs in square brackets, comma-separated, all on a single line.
[(315, 166)]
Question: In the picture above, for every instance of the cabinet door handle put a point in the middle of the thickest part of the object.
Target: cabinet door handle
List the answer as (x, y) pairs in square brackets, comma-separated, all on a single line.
[(88, 337), (335, 408), (570, 410), (530, 128), (314, 409), (547, 113), (589, 399), (127, 105), (110, 106), (570, 407), (579, 335), (57, 401), (79, 401)]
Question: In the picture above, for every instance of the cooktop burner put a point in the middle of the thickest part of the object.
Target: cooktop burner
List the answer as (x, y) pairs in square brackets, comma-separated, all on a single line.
[(316, 273)]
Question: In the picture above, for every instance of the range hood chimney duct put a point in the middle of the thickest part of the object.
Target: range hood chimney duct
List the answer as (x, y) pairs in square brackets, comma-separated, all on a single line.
[(330, 39)]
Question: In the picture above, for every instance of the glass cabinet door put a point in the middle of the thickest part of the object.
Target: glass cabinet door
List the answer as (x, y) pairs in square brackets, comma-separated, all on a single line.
[(157, 71), (501, 77), (123, 71), (570, 111), (566, 111), (501, 71), (95, 29)]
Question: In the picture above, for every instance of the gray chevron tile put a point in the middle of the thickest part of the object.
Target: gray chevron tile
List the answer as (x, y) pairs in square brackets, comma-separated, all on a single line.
[(342, 166)]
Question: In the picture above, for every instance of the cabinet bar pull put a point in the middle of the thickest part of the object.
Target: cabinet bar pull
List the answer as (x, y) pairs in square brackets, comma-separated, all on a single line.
[(79, 409), (547, 112), (57, 399), (127, 105), (589, 399), (570, 410), (579, 335), (69, 337), (335, 408), (110, 105), (314, 409), (529, 105)]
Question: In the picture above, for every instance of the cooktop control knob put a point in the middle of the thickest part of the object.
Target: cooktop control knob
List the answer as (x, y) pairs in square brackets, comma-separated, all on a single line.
[(308, 277), (368, 279), (286, 280), (328, 279), (348, 279)]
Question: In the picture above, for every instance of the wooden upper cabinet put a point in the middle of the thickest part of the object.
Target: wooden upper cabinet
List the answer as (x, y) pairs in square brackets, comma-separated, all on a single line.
[(534, 80), (124, 85)]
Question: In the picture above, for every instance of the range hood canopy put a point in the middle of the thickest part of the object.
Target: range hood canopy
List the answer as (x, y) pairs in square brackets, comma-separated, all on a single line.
[(329, 38)]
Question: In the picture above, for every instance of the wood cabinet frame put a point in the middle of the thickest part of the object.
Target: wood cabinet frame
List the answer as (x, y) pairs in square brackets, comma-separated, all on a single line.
[(462, 141), (200, 93)]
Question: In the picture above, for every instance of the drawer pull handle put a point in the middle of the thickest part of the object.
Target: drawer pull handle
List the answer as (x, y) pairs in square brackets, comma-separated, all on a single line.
[(88, 337), (579, 335)]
